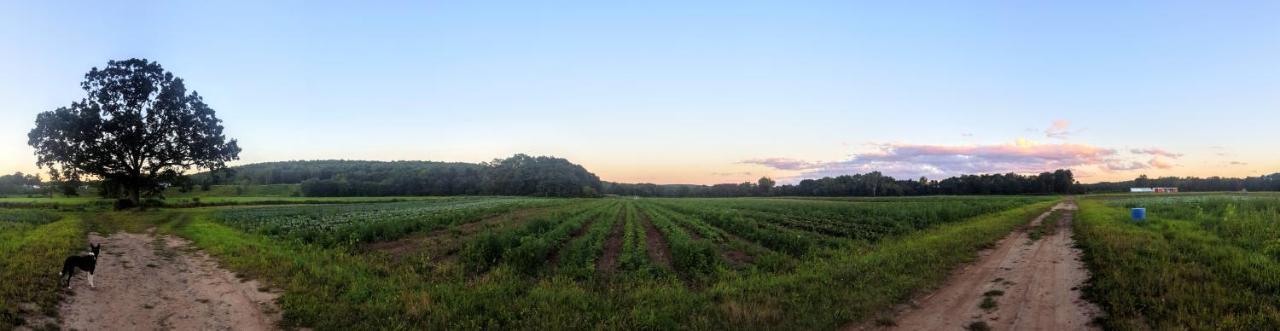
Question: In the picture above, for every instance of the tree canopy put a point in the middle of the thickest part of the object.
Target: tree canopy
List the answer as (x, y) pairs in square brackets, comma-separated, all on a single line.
[(517, 175), (136, 129), (19, 183), (1192, 184)]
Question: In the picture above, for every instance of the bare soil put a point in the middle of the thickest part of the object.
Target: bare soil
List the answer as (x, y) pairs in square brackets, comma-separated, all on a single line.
[(612, 246), (659, 251), (737, 258), (1032, 285), (149, 282), (445, 243)]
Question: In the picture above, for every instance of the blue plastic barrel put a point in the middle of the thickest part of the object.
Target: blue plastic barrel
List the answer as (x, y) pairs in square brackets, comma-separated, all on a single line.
[(1139, 214)]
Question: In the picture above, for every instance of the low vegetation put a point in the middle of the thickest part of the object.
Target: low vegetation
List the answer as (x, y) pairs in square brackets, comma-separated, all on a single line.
[(1199, 262), (1047, 226), (537, 263), (29, 241)]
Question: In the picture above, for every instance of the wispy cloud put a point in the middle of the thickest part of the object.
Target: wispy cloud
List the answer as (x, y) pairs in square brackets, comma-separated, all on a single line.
[(1156, 152), (939, 161), (1059, 129), (1160, 163), (782, 163), (731, 174), (1119, 165)]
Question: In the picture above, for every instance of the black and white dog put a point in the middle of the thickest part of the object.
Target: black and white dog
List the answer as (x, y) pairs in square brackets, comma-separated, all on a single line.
[(84, 262)]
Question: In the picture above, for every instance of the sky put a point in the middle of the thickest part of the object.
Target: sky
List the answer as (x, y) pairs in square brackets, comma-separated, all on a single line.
[(692, 92)]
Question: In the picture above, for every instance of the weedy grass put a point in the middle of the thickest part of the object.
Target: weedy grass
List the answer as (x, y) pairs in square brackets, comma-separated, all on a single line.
[(978, 326), (1047, 226), (988, 303), (1199, 262), (32, 247)]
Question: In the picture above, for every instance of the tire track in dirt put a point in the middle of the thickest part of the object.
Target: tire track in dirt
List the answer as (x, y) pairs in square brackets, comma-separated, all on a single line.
[(1028, 285), (145, 282)]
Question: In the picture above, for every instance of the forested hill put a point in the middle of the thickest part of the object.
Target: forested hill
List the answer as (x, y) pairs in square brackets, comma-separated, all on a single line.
[(517, 175)]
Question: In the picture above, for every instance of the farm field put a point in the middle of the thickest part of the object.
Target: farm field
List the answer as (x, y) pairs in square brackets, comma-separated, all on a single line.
[(514, 262), (1200, 261)]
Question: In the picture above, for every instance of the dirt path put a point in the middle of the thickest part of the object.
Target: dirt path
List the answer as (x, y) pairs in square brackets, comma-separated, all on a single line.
[(1032, 285), (146, 282)]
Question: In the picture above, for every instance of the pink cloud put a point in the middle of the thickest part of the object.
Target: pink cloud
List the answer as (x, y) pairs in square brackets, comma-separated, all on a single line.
[(1156, 152), (940, 161), (935, 161), (1120, 165), (1060, 129), (1160, 163), (782, 163)]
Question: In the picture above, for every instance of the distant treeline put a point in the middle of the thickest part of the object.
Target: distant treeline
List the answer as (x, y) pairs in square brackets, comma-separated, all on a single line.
[(19, 183), (870, 185), (1192, 184), (549, 176), (517, 175)]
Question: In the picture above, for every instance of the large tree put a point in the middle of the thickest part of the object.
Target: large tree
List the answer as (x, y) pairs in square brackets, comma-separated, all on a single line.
[(137, 128)]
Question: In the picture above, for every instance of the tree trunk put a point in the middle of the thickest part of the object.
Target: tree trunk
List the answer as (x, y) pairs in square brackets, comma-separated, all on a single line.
[(135, 195)]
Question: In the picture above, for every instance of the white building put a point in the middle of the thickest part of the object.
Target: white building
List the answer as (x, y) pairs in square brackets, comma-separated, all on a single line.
[(1153, 190)]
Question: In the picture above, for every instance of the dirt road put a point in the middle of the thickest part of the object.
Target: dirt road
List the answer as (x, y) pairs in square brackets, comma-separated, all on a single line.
[(1030, 281), (146, 282)]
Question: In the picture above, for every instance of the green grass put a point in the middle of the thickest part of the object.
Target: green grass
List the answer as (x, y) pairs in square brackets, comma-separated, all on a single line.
[(30, 258), (1047, 226), (1199, 262), (362, 223), (988, 303), (53, 203), (977, 326)]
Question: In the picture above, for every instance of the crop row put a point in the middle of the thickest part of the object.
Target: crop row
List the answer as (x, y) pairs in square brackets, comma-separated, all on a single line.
[(852, 219), (527, 247), (359, 223), (16, 217)]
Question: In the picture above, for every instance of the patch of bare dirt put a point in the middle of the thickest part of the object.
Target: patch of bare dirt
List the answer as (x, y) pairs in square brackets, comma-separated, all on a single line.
[(1027, 285), (737, 258), (145, 282), (612, 246), (693, 234), (440, 244), (659, 251)]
